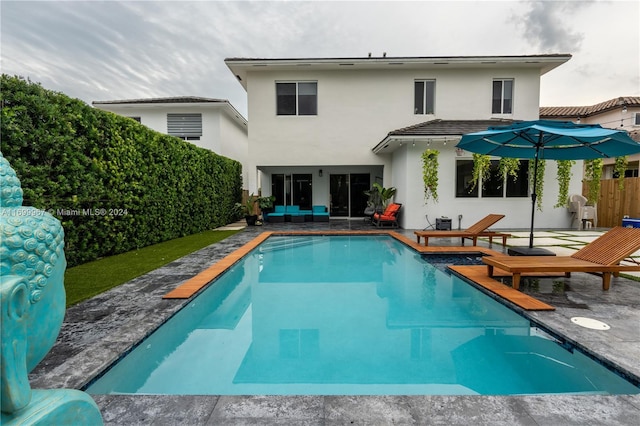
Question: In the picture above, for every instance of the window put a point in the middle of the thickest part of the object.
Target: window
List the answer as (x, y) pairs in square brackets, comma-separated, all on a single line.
[(185, 126), (636, 119), (494, 186), (300, 98), (502, 100), (424, 98), (136, 119)]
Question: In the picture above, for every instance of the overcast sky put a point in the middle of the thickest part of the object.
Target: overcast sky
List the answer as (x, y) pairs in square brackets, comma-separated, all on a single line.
[(111, 50)]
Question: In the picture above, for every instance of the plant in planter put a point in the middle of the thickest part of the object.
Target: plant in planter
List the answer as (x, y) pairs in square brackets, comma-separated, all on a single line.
[(564, 177), (430, 174), (592, 175), (379, 197), (620, 167), (481, 169), (248, 210), (539, 179), (265, 204)]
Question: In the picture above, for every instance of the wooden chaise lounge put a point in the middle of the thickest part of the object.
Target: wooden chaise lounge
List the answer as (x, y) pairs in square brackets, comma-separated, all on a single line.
[(603, 255), (478, 229)]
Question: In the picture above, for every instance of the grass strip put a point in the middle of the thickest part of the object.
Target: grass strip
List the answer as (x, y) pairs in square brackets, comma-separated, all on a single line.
[(90, 279)]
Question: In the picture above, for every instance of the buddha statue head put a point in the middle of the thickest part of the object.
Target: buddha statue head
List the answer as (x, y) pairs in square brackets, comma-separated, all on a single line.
[(32, 266)]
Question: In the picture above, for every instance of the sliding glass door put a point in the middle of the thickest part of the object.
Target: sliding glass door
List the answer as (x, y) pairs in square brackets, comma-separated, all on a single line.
[(347, 194), (294, 189)]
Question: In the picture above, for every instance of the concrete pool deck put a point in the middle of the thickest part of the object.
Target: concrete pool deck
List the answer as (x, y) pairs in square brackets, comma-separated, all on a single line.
[(98, 330)]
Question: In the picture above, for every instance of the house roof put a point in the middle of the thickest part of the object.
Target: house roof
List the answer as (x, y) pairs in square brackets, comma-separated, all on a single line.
[(586, 111), (240, 67), (182, 101), (171, 100), (433, 129)]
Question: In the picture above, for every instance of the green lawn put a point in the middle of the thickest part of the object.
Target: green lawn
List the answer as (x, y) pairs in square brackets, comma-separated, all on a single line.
[(85, 281)]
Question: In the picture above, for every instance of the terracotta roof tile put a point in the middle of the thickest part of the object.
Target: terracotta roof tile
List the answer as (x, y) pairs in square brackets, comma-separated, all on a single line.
[(586, 111)]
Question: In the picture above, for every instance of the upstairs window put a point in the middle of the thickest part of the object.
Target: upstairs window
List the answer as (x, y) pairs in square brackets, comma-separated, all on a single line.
[(502, 100), (185, 126), (424, 98), (136, 119), (299, 98), (636, 119)]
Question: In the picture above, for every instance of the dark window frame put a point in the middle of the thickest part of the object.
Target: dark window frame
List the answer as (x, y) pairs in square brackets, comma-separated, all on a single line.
[(295, 98), (499, 188), (424, 96), (502, 95)]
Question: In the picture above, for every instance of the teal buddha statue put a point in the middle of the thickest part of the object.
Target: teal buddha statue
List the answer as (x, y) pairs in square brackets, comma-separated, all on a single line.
[(32, 305)]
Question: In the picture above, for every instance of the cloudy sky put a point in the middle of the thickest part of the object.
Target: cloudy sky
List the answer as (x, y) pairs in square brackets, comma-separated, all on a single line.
[(106, 50)]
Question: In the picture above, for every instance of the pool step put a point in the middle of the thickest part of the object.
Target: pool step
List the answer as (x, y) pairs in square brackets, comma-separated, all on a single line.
[(283, 244)]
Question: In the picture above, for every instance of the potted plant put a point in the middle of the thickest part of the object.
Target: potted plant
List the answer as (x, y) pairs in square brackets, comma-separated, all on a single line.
[(248, 210)]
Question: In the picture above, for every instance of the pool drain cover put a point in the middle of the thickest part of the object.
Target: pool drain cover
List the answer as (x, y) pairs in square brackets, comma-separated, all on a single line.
[(590, 323)]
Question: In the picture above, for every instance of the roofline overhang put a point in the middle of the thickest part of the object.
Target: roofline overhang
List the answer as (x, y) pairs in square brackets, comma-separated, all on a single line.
[(240, 67), (393, 142), (225, 105)]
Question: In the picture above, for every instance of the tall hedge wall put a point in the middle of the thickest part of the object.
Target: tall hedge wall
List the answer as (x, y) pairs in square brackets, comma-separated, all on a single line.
[(115, 184)]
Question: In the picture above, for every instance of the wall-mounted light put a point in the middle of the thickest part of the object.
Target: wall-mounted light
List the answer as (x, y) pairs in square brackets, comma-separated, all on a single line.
[(459, 152), (320, 172), (578, 120), (624, 109)]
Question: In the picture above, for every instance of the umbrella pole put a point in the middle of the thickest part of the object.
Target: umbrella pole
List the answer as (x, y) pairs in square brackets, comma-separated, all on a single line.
[(534, 195)]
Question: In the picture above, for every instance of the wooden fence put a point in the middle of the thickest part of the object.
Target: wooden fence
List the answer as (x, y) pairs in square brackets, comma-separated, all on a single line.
[(614, 204)]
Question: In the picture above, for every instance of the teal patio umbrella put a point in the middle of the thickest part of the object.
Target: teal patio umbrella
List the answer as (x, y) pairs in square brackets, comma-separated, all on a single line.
[(549, 140)]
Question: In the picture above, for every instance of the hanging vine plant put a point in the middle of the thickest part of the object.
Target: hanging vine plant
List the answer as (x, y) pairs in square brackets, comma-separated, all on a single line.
[(620, 168), (592, 176), (430, 174), (481, 169), (539, 180), (564, 178), (509, 168)]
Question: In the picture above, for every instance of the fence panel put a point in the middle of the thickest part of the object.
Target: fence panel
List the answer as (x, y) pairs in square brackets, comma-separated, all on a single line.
[(614, 204)]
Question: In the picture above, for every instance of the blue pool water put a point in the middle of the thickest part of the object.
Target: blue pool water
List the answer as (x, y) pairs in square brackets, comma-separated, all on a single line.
[(340, 315)]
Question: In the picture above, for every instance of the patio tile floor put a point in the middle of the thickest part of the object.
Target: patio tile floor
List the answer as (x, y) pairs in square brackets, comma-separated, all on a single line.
[(98, 330)]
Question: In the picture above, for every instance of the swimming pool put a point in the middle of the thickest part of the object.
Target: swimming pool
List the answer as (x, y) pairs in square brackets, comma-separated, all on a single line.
[(349, 315)]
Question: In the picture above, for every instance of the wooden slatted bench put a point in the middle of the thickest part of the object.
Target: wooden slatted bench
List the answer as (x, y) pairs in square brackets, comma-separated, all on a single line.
[(603, 255)]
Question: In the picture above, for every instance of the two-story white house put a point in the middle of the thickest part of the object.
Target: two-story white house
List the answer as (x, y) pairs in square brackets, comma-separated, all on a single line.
[(323, 130), (213, 124)]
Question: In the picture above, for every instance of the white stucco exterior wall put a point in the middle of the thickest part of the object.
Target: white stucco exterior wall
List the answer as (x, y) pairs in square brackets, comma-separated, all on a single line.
[(517, 211), (359, 106)]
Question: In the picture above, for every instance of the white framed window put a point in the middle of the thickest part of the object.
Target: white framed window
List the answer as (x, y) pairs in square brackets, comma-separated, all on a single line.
[(185, 126), (636, 119), (297, 98), (424, 96), (502, 96)]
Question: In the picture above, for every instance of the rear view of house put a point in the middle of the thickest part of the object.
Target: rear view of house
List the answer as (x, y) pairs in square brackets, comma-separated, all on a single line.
[(323, 130)]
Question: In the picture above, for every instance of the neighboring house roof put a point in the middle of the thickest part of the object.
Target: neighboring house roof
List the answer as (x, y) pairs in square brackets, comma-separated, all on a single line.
[(545, 63), (184, 101), (434, 128), (586, 111), (172, 100)]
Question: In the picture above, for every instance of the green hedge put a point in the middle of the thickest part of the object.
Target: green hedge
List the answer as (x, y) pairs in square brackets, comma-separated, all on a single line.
[(115, 184)]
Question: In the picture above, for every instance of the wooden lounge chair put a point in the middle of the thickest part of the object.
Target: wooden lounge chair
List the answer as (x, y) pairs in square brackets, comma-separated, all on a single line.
[(478, 229), (603, 255), (388, 217)]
